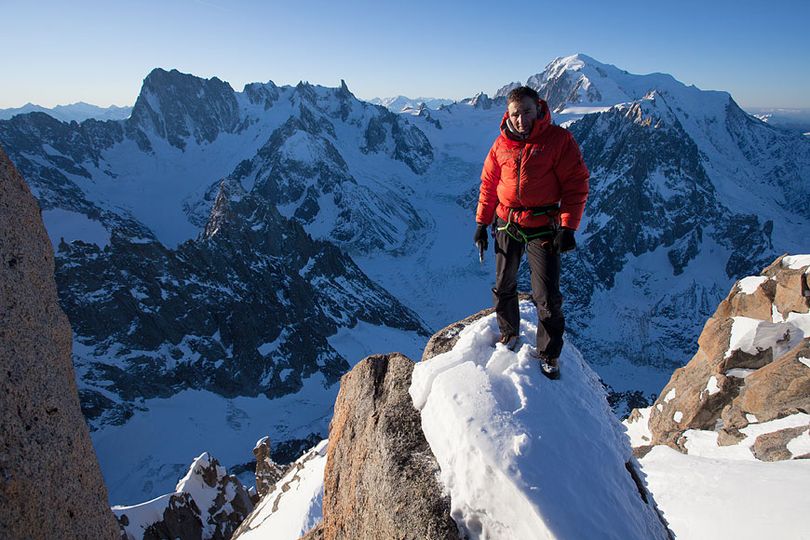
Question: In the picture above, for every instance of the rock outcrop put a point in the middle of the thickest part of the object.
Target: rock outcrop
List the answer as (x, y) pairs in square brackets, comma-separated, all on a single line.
[(208, 503), (268, 472), (752, 365), (50, 482), (381, 479)]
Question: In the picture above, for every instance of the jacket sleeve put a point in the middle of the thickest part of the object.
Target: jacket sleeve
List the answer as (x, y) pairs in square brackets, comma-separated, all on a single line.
[(573, 177), (488, 193)]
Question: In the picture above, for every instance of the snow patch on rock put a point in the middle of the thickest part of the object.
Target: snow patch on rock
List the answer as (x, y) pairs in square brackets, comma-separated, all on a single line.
[(711, 386), (800, 446), (796, 262), (638, 429), (753, 336), (750, 284)]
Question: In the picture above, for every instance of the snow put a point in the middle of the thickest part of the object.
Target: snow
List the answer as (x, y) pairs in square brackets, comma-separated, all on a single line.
[(752, 419), (670, 395), (638, 431), (678, 416), (739, 372), (628, 319), (142, 515), (703, 443), (294, 506), (804, 360), (266, 348), (801, 321), (711, 386), (698, 492), (523, 456), (753, 336), (750, 284), (800, 445), (260, 442), (702, 497), (72, 226), (796, 262)]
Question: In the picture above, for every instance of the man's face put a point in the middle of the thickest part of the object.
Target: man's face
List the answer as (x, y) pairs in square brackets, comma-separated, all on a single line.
[(523, 113)]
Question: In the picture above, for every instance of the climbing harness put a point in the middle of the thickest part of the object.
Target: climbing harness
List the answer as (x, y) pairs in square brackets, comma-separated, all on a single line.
[(517, 233)]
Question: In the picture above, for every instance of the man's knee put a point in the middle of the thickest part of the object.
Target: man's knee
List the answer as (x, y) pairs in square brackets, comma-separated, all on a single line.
[(505, 293), (548, 307)]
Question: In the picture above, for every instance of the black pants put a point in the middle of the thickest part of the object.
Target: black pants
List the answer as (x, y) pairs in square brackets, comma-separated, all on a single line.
[(545, 276)]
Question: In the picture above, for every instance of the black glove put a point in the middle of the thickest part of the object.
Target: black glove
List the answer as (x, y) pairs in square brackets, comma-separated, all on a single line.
[(481, 236), (564, 241)]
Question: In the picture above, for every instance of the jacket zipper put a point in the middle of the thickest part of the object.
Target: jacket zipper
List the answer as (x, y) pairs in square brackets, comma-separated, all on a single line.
[(519, 160)]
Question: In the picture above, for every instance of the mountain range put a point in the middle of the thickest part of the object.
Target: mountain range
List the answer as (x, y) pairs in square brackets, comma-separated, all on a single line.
[(224, 256), (77, 112)]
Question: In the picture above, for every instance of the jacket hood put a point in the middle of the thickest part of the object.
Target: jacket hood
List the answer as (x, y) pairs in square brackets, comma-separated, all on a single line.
[(540, 124)]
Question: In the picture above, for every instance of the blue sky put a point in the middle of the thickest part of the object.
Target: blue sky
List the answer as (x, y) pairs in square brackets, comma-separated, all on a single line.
[(99, 52)]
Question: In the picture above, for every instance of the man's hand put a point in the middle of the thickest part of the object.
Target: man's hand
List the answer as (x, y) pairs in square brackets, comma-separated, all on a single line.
[(481, 237), (564, 241)]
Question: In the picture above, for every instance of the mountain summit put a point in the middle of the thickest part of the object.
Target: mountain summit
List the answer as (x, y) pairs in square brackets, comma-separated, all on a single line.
[(579, 80)]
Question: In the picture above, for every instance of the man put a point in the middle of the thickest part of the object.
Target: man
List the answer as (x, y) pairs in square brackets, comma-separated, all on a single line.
[(534, 184)]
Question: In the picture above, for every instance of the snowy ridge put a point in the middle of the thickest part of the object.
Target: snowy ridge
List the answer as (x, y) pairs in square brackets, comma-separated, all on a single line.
[(294, 506), (522, 456)]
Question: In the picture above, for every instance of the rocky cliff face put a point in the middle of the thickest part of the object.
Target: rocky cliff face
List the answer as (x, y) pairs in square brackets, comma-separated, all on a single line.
[(381, 479), (731, 429), (50, 482), (752, 367)]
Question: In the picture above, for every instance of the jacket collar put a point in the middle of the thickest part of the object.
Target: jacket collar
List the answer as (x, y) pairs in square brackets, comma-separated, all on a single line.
[(540, 124)]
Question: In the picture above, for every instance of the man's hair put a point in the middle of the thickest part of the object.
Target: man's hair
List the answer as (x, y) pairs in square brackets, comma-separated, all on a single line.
[(517, 94)]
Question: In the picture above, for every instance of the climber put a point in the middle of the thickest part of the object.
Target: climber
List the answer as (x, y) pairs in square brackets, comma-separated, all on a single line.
[(534, 184)]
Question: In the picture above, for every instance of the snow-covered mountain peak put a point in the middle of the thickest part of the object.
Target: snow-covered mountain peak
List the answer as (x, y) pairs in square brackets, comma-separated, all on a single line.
[(581, 80), (175, 106), (480, 101), (574, 62)]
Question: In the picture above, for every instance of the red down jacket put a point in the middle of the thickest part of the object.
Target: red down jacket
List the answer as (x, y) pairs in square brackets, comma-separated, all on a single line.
[(544, 169)]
